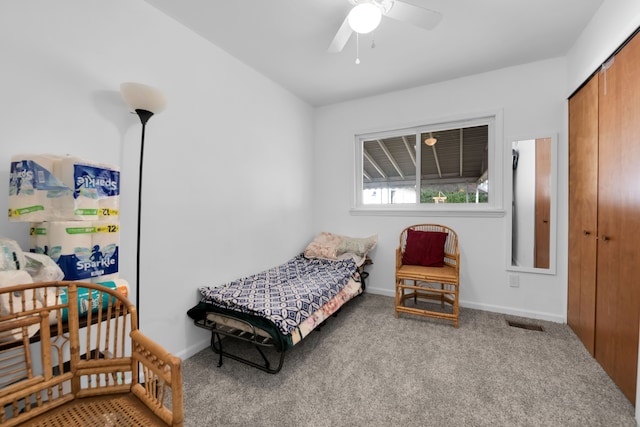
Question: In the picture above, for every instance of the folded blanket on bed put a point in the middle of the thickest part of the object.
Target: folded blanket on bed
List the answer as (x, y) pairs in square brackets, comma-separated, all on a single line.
[(287, 294)]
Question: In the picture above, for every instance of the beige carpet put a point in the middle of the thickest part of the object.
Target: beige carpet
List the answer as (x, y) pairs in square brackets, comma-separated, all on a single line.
[(366, 368)]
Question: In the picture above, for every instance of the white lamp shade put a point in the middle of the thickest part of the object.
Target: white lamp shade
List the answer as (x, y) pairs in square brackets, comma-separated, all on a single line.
[(143, 97), (364, 18)]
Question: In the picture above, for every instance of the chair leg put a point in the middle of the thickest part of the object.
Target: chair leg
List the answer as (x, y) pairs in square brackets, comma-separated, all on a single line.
[(456, 308), (398, 298)]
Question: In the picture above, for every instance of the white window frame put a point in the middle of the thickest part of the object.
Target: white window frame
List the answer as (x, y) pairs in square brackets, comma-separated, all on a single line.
[(496, 157)]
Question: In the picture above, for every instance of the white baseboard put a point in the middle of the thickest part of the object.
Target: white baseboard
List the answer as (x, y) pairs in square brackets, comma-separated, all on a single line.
[(193, 349), (531, 314), (380, 291)]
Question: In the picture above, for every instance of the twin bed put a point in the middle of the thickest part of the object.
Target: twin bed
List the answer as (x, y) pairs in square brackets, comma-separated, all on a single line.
[(277, 308)]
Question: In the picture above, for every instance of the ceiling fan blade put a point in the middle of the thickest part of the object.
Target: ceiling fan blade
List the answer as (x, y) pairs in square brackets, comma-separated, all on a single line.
[(418, 16), (341, 38)]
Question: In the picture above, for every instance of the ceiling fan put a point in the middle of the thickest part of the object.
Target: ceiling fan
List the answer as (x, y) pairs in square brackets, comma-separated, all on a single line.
[(365, 16)]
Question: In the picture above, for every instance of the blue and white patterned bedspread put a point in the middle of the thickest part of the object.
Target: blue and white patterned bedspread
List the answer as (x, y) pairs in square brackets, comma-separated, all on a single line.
[(286, 294)]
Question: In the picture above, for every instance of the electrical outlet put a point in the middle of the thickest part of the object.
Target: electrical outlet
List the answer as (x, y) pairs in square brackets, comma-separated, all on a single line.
[(514, 280)]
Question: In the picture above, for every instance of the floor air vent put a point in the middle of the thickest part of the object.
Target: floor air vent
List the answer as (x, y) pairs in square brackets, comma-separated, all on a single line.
[(528, 326)]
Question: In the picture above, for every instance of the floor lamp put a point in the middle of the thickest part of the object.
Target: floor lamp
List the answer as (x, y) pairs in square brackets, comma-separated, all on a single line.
[(145, 101)]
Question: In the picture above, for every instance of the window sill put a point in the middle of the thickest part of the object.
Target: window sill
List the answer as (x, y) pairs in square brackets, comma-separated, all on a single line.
[(419, 211)]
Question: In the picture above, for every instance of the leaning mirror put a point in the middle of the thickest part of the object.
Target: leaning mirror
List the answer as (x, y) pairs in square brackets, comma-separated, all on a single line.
[(532, 225)]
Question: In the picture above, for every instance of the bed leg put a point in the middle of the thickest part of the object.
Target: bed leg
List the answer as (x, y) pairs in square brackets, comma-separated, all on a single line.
[(218, 350), (266, 361)]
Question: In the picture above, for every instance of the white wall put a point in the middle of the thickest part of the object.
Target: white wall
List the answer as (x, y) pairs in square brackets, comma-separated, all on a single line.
[(227, 166), (533, 104), (614, 22)]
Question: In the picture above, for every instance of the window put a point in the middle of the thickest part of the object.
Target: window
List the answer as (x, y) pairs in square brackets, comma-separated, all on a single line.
[(417, 168)]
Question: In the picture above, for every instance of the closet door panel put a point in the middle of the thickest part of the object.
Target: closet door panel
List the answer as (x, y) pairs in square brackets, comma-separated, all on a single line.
[(583, 197), (618, 293)]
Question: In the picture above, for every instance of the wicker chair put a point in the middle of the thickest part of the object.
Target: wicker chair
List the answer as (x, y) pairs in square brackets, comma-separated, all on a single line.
[(71, 354), (432, 283)]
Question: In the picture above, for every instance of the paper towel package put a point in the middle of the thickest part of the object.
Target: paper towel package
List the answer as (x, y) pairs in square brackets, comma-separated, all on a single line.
[(33, 188), (32, 237), (87, 301), (84, 250), (96, 188), (106, 278), (55, 188), (120, 285), (42, 268), (39, 237)]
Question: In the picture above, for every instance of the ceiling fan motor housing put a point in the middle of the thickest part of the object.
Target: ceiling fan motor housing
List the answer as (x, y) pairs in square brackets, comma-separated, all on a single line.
[(384, 5)]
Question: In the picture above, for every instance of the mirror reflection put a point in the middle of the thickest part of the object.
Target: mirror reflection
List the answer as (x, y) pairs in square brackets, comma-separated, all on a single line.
[(531, 205)]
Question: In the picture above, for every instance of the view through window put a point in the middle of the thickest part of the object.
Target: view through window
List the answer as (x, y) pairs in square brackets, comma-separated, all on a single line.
[(427, 165)]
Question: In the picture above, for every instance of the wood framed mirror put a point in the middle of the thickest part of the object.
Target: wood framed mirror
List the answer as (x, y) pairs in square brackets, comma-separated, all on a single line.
[(531, 185)]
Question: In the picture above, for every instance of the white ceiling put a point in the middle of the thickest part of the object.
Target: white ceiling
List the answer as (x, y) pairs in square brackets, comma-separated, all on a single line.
[(286, 40)]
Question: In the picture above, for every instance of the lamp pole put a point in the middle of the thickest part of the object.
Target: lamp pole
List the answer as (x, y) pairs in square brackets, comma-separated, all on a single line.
[(145, 101), (144, 118)]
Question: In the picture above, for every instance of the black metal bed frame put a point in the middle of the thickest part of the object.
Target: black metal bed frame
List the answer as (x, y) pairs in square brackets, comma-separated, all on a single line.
[(218, 330), (260, 342)]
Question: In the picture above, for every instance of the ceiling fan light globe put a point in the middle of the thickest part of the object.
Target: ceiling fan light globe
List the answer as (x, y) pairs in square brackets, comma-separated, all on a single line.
[(364, 18), (430, 141)]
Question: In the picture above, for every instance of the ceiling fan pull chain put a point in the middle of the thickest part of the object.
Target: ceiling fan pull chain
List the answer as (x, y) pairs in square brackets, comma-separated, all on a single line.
[(357, 48)]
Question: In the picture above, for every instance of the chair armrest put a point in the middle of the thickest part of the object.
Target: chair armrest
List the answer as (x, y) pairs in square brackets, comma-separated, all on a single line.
[(398, 258), (162, 373)]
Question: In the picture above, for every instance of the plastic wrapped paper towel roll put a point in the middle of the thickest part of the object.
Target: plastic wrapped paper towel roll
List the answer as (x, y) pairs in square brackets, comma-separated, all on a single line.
[(76, 173), (11, 255), (39, 238), (121, 285), (89, 300), (12, 303), (109, 192), (48, 300), (42, 268), (95, 187), (70, 244), (106, 278), (33, 187), (32, 236), (105, 246)]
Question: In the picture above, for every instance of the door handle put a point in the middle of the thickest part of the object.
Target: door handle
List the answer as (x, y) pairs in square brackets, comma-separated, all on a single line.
[(586, 232), (605, 238)]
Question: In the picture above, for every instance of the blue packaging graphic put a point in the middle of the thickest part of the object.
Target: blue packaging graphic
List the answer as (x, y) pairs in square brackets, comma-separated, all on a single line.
[(84, 251), (32, 189), (27, 176), (95, 182), (88, 301)]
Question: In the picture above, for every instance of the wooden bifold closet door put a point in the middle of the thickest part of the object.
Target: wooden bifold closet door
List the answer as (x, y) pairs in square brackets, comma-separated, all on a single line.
[(615, 310), (618, 289), (583, 209)]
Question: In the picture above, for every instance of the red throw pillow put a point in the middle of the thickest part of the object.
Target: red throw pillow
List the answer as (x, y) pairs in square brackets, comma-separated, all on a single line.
[(424, 248)]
